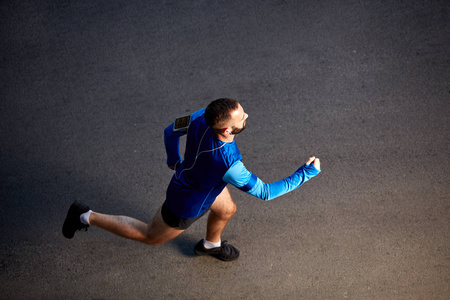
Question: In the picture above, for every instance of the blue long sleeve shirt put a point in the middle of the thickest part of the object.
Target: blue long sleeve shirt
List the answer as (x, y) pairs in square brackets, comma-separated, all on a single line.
[(209, 165)]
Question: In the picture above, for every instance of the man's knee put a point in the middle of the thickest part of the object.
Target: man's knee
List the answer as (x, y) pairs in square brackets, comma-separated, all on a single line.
[(232, 209), (154, 242), (159, 232), (226, 211), (158, 238)]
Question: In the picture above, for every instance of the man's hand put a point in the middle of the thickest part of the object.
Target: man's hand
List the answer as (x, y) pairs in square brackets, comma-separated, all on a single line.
[(172, 167), (315, 161)]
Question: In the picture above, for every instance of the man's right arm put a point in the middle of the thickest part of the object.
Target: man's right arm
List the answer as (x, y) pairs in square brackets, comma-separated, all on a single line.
[(244, 180)]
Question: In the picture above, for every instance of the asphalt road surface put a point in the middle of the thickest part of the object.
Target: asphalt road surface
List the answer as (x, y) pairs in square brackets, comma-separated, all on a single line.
[(87, 88)]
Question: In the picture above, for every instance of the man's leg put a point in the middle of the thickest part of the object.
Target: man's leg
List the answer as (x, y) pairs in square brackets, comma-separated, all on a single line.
[(221, 212), (156, 232)]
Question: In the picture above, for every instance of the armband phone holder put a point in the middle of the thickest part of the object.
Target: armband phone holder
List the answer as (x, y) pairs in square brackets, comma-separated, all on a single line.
[(182, 123)]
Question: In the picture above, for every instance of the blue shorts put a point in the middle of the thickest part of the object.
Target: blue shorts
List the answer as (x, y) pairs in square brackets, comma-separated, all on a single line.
[(176, 222)]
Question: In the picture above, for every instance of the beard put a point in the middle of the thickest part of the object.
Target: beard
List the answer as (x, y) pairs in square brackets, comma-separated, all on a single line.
[(239, 130)]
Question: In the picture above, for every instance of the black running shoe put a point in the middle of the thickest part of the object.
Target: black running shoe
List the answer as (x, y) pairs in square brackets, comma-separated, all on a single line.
[(72, 222), (225, 252)]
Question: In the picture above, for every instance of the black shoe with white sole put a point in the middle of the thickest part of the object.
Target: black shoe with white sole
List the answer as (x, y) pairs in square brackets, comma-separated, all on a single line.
[(225, 252), (72, 222)]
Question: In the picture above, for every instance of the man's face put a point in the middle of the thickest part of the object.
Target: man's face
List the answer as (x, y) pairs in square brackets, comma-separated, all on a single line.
[(238, 120)]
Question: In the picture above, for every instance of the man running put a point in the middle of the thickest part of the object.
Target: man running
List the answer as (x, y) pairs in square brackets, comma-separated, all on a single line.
[(212, 160)]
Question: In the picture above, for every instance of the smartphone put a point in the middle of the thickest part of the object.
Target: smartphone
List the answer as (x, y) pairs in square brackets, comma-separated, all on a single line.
[(182, 123)]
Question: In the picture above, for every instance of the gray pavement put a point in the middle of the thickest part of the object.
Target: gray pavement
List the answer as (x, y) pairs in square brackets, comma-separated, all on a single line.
[(87, 88)]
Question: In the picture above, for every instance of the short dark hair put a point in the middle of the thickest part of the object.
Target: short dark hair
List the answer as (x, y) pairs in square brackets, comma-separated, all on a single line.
[(219, 111)]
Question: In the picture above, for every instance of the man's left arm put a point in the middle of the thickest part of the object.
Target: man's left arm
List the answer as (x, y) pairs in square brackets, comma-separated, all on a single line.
[(172, 140), (172, 143)]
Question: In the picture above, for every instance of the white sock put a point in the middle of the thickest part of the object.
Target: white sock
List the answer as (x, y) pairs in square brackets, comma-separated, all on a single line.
[(210, 245), (84, 218)]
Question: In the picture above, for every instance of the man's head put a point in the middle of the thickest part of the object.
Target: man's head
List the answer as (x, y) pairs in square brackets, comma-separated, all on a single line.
[(226, 115)]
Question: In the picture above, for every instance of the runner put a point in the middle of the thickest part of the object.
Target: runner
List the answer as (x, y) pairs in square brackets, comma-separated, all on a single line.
[(212, 160)]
